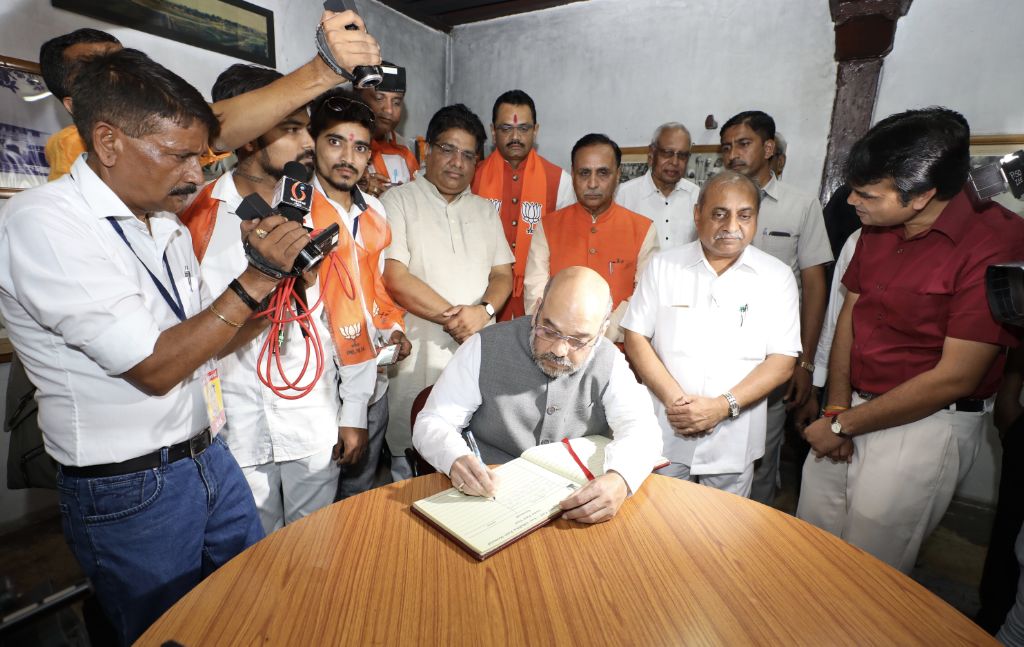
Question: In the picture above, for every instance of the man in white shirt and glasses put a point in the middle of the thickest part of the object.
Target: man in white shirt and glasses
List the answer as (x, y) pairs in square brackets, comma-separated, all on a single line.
[(538, 380), (712, 328), (663, 193)]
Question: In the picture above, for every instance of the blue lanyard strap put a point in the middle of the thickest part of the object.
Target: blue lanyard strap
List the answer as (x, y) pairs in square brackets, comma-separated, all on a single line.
[(176, 305)]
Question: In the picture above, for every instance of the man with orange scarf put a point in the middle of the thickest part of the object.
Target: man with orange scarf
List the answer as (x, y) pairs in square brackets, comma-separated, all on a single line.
[(392, 163), (595, 232), (288, 449), (522, 185)]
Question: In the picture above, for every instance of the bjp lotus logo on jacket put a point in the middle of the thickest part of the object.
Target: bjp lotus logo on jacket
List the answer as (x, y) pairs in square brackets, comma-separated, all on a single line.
[(530, 213), (351, 331)]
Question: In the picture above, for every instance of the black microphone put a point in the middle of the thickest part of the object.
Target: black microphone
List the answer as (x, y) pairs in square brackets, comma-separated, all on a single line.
[(293, 197)]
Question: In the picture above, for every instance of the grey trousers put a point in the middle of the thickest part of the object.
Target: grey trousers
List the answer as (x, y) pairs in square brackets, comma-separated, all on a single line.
[(358, 478), (766, 468)]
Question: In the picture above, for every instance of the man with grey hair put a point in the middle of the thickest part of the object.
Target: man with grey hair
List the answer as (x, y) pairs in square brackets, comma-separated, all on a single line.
[(663, 194), (538, 380), (712, 329), (779, 158)]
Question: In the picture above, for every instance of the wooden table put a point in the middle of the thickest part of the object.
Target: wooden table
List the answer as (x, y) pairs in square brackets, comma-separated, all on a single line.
[(680, 564)]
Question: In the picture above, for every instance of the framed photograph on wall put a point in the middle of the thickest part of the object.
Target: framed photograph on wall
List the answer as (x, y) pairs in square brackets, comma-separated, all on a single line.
[(704, 162), (233, 27), (634, 163), (988, 149), (28, 116)]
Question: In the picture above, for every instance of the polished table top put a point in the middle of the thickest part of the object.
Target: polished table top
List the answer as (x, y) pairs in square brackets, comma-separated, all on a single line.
[(679, 564)]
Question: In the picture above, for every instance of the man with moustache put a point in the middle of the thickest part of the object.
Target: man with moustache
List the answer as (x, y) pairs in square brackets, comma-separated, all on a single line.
[(916, 356), (448, 265), (392, 162), (102, 297), (342, 127), (792, 229), (242, 118), (533, 380), (663, 194), (521, 184), (712, 328), (595, 232)]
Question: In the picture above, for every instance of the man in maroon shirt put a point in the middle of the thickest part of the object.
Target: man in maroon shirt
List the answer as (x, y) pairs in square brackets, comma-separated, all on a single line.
[(917, 355)]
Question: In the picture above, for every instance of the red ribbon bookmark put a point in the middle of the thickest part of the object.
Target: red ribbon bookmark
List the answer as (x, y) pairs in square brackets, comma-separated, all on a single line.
[(586, 472)]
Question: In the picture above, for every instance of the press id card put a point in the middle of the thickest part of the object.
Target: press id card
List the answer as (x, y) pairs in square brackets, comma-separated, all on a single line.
[(214, 399)]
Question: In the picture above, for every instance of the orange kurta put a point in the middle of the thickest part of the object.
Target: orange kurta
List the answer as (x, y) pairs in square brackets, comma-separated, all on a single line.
[(64, 146), (609, 246), (522, 197)]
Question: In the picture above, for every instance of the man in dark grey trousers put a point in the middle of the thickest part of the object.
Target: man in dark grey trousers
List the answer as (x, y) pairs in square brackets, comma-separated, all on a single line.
[(538, 380)]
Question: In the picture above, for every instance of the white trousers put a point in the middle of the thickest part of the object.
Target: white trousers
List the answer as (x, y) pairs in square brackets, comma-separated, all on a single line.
[(286, 491), (898, 487), (737, 483)]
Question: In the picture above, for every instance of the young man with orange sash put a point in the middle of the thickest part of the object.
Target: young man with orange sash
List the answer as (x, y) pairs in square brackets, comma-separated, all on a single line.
[(392, 163), (522, 185), (595, 232), (286, 448)]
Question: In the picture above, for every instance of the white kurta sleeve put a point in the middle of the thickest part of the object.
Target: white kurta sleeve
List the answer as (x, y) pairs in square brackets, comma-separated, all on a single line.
[(538, 268), (449, 407), (636, 435)]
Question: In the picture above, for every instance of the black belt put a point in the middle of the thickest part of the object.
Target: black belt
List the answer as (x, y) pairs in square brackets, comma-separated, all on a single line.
[(971, 405), (192, 447)]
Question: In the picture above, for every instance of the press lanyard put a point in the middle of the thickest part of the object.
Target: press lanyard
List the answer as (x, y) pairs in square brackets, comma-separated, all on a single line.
[(176, 305)]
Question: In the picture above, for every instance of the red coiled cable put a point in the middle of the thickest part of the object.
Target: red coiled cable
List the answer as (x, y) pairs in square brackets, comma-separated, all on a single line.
[(283, 311)]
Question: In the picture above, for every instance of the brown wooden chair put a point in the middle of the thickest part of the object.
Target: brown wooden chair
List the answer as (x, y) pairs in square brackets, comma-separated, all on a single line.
[(416, 462)]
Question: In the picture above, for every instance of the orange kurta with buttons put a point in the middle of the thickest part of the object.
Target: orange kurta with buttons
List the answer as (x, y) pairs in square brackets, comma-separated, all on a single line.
[(608, 245)]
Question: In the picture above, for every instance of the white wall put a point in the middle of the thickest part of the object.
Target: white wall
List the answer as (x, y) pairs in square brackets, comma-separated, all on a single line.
[(624, 67), (962, 55)]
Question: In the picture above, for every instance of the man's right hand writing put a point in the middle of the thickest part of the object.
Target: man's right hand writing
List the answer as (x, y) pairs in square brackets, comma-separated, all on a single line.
[(472, 477)]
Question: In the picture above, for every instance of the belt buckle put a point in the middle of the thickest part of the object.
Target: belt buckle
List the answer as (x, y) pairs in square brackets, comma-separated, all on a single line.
[(196, 444)]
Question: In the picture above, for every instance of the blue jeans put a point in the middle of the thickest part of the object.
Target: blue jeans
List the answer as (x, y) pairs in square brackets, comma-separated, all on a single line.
[(145, 539)]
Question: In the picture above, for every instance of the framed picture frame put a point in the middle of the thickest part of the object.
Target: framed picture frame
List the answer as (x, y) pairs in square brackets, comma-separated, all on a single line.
[(987, 149), (232, 27), (705, 161), (28, 116)]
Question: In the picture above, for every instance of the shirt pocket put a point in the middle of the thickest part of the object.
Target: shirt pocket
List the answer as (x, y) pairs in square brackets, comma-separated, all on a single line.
[(781, 243), (921, 312)]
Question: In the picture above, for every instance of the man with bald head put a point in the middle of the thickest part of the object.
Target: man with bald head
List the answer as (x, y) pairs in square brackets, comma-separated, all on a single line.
[(555, 376), (712, 328)]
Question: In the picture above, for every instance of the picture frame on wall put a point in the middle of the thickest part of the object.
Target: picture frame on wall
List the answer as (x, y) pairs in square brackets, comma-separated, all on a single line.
[(987, 149), (28, 116), (705, 161), (232, 27)]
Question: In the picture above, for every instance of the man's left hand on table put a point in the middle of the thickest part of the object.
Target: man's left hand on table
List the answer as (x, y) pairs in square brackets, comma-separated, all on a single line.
[(596, 501)]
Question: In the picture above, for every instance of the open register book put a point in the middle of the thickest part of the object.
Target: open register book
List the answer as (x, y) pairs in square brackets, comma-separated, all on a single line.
[(529, 491)]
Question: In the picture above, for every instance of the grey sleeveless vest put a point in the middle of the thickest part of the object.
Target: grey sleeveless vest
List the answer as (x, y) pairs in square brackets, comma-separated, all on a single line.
[(522, 407)]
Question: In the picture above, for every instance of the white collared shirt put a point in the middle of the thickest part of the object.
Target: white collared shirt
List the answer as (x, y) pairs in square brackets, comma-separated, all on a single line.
[(81, 310), (711, 331), (672, 215), (836, 297), (791, 227), (263, 427), (456, 397)]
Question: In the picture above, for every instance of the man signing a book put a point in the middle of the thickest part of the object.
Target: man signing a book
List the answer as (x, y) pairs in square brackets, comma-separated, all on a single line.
[(532, 381)]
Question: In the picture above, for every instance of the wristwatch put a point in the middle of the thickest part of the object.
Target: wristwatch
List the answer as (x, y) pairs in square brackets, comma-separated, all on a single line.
[(734, 406), (488, 307), (807, 366), (837, 427)]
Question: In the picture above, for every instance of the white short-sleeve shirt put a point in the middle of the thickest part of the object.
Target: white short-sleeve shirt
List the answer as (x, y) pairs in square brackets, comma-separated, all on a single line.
[(672, 215), (711, 331), (81, 309)]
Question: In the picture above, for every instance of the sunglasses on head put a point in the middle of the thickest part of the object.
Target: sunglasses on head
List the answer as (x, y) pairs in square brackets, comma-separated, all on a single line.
[(349, 109)]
